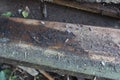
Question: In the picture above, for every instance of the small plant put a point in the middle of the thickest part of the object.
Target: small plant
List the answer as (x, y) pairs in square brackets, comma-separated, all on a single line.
[(7, 14), (25, 13)]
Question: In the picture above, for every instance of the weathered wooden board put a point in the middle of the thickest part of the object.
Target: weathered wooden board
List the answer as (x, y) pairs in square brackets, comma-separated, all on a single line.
[(91, 7), (98, 1), (107, 1), (73, 48)]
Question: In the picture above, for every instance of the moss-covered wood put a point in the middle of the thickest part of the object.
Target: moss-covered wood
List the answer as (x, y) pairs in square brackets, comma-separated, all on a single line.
[(74, 48)]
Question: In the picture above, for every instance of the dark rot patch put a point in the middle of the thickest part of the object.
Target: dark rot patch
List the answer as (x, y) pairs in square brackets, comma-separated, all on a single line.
[(3, 30), (39, 35), (50, 37)]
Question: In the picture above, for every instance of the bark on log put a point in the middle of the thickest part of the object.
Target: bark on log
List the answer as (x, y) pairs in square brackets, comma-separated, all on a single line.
[(73, 48)]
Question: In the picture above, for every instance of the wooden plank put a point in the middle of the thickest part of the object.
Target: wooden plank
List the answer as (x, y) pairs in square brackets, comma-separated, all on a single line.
[(90, 7), (107, 1), (73, 48)]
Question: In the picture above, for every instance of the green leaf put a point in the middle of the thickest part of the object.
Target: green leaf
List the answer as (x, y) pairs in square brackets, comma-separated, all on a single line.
[(7, 14), (2, 75), (25, 14), (12, 77), (7, 73)]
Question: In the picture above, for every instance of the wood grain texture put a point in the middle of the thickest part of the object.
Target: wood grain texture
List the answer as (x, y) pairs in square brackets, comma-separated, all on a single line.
[(90, 7), (107, 1), (73, 48)]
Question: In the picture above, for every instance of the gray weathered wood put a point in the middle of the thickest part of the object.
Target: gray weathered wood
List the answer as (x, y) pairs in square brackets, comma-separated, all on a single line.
[(73, 48), (107, 1), (91, 7)]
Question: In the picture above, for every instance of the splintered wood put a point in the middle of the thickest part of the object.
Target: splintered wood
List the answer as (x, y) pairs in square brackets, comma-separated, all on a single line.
[(61, 47)]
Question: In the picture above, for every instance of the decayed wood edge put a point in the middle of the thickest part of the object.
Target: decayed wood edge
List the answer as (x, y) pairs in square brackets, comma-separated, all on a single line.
[(31, 60), (90, 7), (61, 66), (46, 68), (22, 53)]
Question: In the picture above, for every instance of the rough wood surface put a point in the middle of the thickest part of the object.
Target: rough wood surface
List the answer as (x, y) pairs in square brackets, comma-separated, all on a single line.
[(91, 7), (73, 48), (107, 1), (98, 1)]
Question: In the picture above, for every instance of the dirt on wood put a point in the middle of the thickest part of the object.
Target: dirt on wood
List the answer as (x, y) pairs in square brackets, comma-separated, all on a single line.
[(61, 14), (86, 45), (58, 13)]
